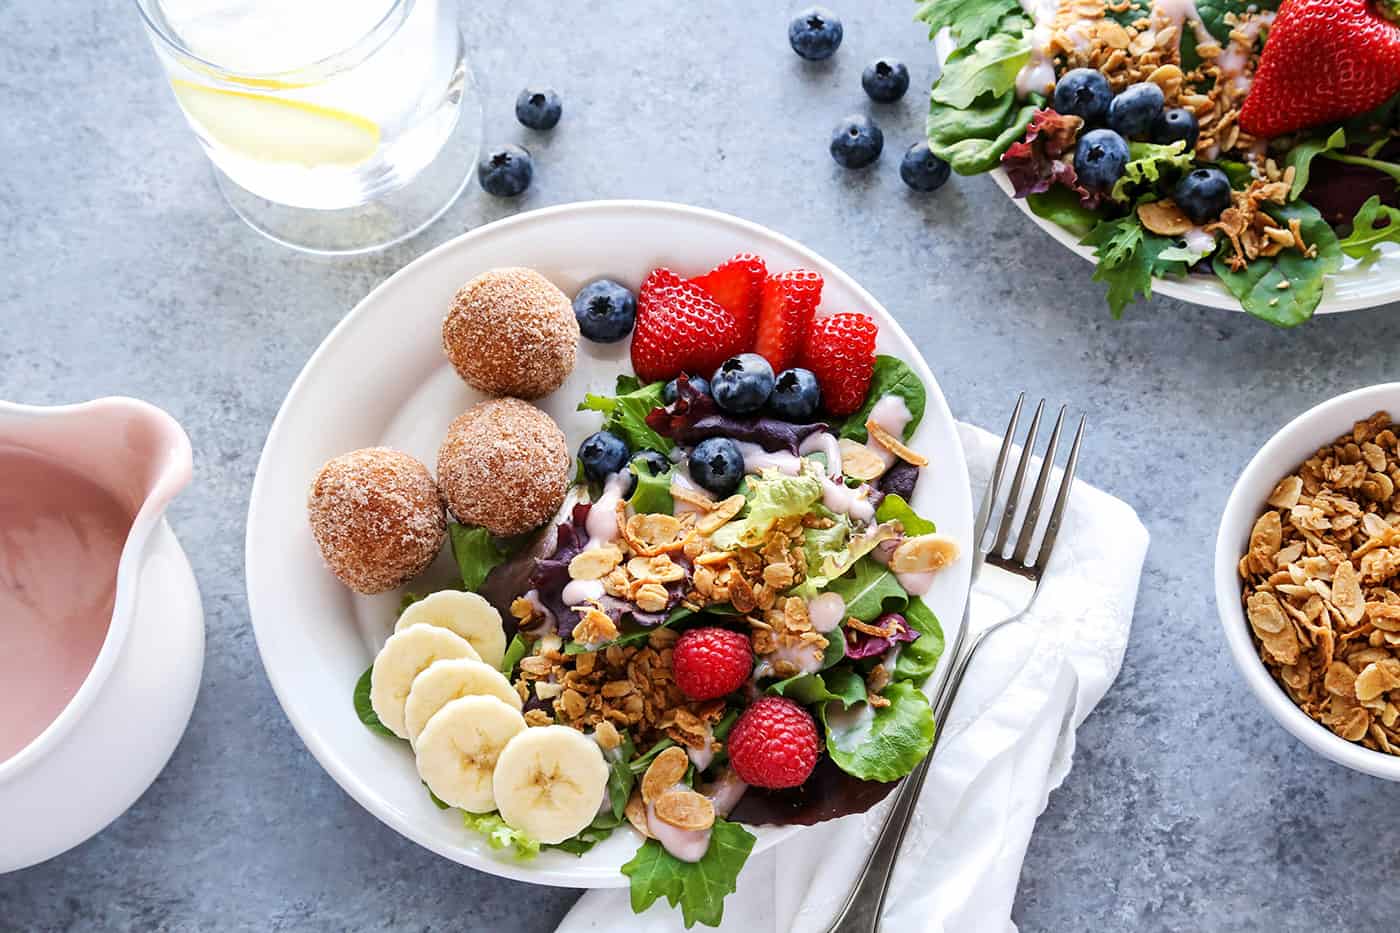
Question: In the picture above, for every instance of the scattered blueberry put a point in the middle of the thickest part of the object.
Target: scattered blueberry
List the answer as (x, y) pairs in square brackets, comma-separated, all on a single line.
[(505, 172), (538, 109), (885, 80), (1176, 123), (670, 392), (654, 462), (921, 169), (815, 33), (717, 465), (1133, 112), (602, 454), (1203, 194), (856, 142), (605, 310), (742, 383), (1099, 159), (796, 395), (1083, 92)]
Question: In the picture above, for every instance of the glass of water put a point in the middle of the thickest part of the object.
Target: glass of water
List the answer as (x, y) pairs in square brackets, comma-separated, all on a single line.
[(334, 126)]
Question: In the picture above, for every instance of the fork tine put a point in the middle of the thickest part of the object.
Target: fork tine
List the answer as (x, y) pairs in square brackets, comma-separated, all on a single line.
[(1066, 482), (989, 499), (1013, 498), (1047, 466)]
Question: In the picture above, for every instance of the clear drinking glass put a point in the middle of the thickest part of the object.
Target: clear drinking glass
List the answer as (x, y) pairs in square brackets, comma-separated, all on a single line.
[(334, 126)]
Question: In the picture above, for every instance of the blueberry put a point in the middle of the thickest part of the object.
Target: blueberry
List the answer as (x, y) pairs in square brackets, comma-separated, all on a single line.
[(506, 172), (605, 310), (717, 465), (1099, 159), (856, 142), (602, 454), (885, 80), (1176, 123), (796, 395), (1133, 112), (538, 109), (921, 169), (651, 462), (742, 383), (670, 392), (815, 33), (1083, 92), (1203, 194)]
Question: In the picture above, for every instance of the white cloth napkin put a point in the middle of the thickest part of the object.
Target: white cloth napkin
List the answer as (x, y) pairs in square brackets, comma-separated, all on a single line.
[(1008, 743)]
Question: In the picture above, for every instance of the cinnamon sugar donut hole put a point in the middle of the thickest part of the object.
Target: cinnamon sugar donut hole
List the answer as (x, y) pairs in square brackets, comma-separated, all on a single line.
[(511, 332), (504, 466), (378, 518)]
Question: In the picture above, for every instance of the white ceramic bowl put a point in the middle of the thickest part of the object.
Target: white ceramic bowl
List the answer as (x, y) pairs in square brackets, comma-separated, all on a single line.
[(1358, 285), (1298, 440), (381, 378)]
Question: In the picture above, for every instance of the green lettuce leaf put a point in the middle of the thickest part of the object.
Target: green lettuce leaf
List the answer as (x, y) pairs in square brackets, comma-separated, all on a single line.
[(1061, 205), (772, 495), (918, 659), (626, 413), (437, 801), (698, 888), (1129, 257), (1150, 163), (869, 590), (892, 376), (1257, 285), (500, 836), (989, 66), (516, 650), (893, 508), (1366, 234), (881, 744), (1300, 158), (653, 493), (364, 709), (970, 20), (476, 553), (831, 552)]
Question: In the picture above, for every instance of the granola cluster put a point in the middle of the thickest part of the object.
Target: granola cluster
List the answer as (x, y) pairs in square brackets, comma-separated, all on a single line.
[(1320, 581)]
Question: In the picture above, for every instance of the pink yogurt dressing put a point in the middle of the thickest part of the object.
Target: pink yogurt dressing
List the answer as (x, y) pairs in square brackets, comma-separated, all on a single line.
[(61, 538)]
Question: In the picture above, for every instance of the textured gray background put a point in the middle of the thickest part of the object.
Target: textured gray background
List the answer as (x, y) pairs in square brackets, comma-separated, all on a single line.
[(122, 271)]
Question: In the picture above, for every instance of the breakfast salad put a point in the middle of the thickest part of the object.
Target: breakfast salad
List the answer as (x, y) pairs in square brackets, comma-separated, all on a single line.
[(713, 619), (1246, 139)]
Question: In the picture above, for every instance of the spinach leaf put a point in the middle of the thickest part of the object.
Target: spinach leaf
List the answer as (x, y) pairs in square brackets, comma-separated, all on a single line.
[(807, 689), (592, 834), (620, 775), (1062, 206), (846, 687), (698, 888), (1129, 256), (881, 744), (989, 66), (626, 413), (1259, 286), (893, 508), (969, 20), (641, 764), (653, 493), (869, 589), (516, 650), (892, 377), (364, 709), (500, 836), (477, 553), (918, 659), (1300, 158), (970, 152), (1367, 232), (1388, 168)]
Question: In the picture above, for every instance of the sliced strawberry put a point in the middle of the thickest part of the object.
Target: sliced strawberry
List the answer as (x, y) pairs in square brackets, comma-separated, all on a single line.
[(840, 352), (790, 301), (737, 284), (680, 328)]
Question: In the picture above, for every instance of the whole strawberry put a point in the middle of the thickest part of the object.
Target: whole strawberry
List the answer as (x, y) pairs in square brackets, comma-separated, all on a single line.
[(1324, 60), (680, 328), (774, 744), (737, 284), (708, 663), (840, 352)]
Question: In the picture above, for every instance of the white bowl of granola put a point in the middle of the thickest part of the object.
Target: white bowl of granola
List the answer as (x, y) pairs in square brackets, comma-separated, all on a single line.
[(1304, 583)]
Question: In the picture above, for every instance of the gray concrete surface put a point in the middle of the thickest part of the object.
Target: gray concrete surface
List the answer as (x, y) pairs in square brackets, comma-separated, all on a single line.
[(122, 271)]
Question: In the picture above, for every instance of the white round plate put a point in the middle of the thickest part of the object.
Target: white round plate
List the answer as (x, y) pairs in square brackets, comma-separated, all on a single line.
[(1358, 285), (381, 378)]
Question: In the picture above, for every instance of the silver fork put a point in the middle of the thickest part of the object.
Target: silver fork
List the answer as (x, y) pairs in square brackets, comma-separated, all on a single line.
[(861, 912)]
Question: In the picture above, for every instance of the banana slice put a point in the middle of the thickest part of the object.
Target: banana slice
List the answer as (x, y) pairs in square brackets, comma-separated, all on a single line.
[(457, 751), (465, 614), (404, 656), (550, 782), (445, 681)]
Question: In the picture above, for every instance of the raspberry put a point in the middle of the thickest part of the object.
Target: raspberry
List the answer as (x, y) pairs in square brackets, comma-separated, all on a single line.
[(774, 744), (841, 354), (710, 662)]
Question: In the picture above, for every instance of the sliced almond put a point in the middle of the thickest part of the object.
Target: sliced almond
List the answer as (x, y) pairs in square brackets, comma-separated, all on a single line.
[(594, 563), (1164, 218), (691, 496), (924, 553), (654, 533), (636, 813), (719, 515), (658, 569), (894, 445), (685, 809), (860, 462), (664, 773)]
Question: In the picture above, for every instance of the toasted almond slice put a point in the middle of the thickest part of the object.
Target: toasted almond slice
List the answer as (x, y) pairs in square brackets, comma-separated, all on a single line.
[(691, 496), (1164, 218), (860, 462), (664, 773), (594, 563), (924, 553), (636, 813), (894, 445), (685, 809), (719, 515)]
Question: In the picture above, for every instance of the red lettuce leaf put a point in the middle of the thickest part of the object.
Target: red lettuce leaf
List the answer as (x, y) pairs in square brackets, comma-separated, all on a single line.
[(860, 645), (694, 416), (1045, 158)]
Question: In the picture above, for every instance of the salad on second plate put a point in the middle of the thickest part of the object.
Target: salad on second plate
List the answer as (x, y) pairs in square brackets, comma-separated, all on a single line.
[(1253, 141)]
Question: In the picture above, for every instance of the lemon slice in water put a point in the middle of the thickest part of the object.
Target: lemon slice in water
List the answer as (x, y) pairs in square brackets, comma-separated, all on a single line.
[(275, 129)]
